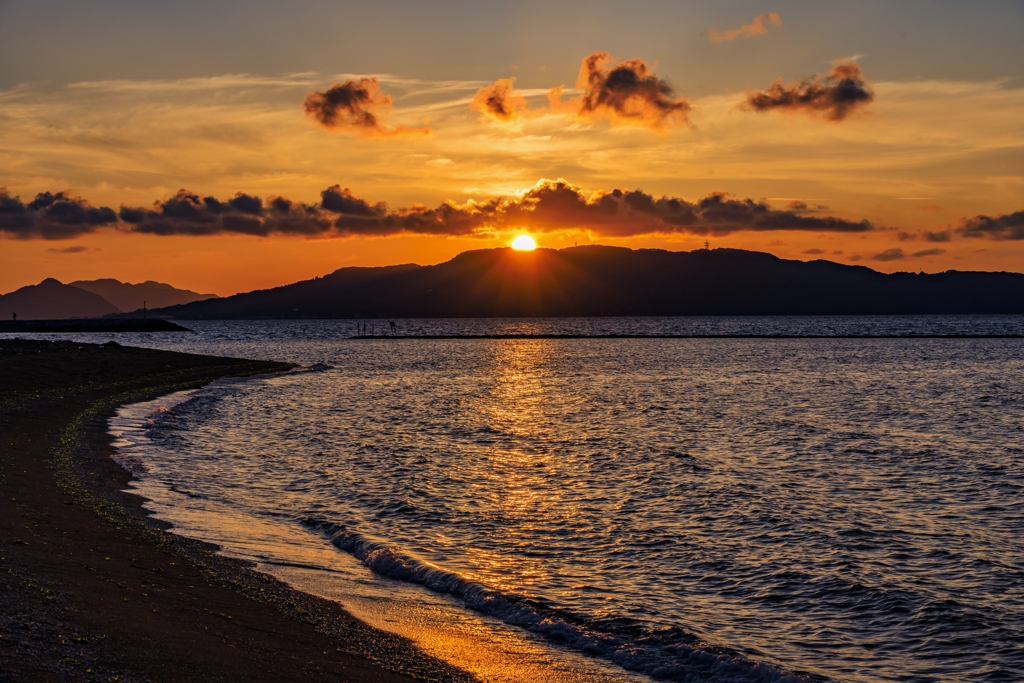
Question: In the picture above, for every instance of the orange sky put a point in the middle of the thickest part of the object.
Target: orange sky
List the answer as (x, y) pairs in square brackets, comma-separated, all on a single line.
[(921, 155)]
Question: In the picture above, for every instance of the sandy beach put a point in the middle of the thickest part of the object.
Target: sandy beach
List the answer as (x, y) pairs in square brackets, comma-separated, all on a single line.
[(91, 589)]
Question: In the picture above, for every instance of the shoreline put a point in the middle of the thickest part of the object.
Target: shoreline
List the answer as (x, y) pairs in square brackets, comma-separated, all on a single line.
[(446, 627), (94, 589), (688, 336)]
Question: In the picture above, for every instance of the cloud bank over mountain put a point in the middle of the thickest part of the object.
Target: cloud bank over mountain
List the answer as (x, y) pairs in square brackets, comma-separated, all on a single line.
[(549, 205)]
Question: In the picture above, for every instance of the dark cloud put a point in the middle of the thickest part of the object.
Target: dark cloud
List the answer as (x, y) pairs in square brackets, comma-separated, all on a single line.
[(356, 216), (928, 252), (499, 101), (69, 250), (1006, 227), (926, 235), (889, 255), (51, 216), (553, 205), (547, 206), (625, 92), (357, 105), (343, 201), (813, 251), (187, 213), (557, 205), (755, 28), (834, 96)]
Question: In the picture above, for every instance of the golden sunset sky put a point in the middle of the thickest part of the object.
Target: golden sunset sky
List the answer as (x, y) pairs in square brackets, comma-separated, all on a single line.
[(895, 138)]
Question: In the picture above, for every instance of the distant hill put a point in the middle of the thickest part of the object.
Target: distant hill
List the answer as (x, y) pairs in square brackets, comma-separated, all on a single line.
[(128, 297), (52, 300), (596, 280)]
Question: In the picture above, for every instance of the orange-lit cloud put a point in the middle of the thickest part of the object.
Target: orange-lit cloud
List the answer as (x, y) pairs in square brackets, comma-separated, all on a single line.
[(550, 205), (755, 28), (623, 93), (357, 105), (1006, 227), (499, 101), (834, 96), (51, 216)]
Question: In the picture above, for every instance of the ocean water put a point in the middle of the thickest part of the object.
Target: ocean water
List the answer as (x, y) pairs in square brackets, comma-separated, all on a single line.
[(624, 509)]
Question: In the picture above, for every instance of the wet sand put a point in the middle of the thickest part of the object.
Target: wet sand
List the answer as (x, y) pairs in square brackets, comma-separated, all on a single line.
[(93, 590)]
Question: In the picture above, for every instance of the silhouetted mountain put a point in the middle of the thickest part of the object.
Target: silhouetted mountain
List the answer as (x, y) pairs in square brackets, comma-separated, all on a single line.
[(595, 280), (129, 297), (52, 300)]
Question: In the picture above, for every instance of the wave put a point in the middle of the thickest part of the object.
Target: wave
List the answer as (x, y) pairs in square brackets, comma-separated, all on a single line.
[(668, 653)]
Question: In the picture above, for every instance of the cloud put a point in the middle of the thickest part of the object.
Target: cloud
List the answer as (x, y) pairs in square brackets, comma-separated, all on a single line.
[(926, 235), (187, 213), (78, 249), (51, 216), (547, 206), (835, 96), (499, 101), (889, 255), (1005, 227), (813, 251), (357, 105), (928, 252), (557, 204), (623, 93), (755, 28)]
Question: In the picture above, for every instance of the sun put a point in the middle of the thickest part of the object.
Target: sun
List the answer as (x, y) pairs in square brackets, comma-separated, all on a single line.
[(524, 243)]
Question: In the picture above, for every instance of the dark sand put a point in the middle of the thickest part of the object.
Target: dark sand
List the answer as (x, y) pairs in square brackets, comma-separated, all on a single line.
[(92, 590)]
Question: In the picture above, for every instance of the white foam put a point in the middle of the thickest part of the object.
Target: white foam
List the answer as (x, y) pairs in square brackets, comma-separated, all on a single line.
[(668, 653)]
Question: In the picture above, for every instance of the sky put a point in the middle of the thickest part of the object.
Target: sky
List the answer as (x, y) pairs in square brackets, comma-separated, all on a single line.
[(225, 146)]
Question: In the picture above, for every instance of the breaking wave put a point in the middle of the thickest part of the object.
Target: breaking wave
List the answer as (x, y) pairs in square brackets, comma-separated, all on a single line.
[(668, 653)]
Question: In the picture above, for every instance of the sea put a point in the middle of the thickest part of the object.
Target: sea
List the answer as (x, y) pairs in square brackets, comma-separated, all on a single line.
[(757, 499)]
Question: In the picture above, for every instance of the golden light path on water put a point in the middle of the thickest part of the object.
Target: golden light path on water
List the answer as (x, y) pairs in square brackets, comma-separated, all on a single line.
[(789, 500), (489, 649)]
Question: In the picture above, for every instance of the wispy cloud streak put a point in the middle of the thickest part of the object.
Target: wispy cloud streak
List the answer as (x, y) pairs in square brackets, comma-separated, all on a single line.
[(758, 27)]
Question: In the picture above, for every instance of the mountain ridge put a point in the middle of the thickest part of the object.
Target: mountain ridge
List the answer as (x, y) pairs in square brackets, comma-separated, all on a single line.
[(128, 297), (51, 299), (597, 280)]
